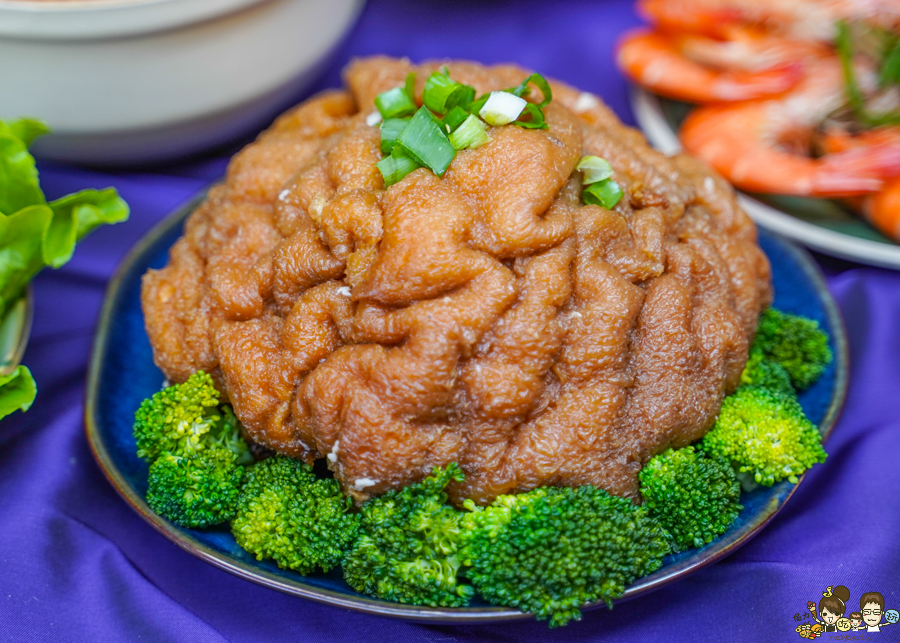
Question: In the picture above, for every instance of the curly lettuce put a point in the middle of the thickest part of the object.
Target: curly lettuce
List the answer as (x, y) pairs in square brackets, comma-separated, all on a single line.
[(35, 233)]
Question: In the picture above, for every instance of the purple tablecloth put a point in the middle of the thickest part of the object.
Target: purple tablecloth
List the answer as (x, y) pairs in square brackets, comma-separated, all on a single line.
[(77, 564)]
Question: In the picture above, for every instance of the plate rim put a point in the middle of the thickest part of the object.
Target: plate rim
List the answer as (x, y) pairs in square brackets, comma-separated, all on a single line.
[(718, 549), (648, 112)]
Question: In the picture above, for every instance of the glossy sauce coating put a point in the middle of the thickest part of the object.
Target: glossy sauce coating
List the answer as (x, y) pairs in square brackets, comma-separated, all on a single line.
[(487, 317)]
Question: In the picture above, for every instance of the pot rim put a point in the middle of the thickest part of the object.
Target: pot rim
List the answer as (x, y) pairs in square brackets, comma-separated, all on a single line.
[(98, 19)]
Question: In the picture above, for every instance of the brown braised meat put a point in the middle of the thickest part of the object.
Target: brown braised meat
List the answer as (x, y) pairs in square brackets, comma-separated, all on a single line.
[(487, 317)]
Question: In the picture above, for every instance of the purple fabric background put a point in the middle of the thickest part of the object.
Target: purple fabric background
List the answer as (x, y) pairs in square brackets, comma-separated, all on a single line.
[(76, 564)]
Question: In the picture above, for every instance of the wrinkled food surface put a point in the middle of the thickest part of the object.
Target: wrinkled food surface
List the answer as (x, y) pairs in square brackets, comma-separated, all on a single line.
[(486, 317)]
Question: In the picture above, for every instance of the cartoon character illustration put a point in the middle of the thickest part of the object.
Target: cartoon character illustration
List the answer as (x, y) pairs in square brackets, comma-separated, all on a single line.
[(832, 607), (871, 604), (855, 620)]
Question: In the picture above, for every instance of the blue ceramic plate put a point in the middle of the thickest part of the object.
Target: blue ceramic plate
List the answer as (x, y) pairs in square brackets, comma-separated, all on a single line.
[(122, 347)]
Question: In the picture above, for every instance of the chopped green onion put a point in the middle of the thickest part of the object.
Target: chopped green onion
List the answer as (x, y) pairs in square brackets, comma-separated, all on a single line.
[(395, 103), (532, 117), (606, 193), (455, 118), (542, 84), (475, 106), (502, 108), (410, 86), (594, 168), (442, 94), (889, 73), (471, 134), (390, 130), (845, 49), (423, 140), (396, 166), (463, 96), (845, 53)]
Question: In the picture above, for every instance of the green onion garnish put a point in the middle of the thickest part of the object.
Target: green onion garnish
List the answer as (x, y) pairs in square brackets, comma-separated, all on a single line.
[(541, 83), (427, 140), (423, 140), (399, 101), (455, 117), (395, 103), (594, 168), (442, 94), (396, 166), (471, 134), (475, 106), (606, 193), (410, 86), (532, 117), (889, 74), (502, 108), (390, 130), (856, 99), (599, 188)]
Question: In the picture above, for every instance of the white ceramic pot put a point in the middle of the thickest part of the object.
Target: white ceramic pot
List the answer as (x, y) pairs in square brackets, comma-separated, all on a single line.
[(131, 81)]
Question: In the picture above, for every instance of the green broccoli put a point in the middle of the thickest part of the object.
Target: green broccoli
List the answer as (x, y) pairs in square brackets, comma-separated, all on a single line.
[(795, 342), (195, 451), (408, 546), (185, 417), (693, 496), (289, 515), (195, 491), (766, 434), (763, 372), (551, 550)]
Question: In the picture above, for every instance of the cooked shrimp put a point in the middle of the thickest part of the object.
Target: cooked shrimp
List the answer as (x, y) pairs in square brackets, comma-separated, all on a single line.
[(655, 61), (748, 49), (882, 210), (802, 19), (691, 16), (760, 145), (840, 140)]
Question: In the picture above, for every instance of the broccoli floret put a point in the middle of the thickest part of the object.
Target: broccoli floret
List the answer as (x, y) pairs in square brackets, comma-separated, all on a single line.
[(795, 342), (289, 515), (195, 491), (551, 550), (766, 434), (408, 546), (195, 451), (693, 496), (763, 372), (183, 418)]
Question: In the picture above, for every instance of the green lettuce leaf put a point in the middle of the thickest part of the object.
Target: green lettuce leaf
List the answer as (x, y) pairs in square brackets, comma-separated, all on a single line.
[(17, 391), (18, 176), (25, 129), (74, 216), (21, 250), (35, 234)]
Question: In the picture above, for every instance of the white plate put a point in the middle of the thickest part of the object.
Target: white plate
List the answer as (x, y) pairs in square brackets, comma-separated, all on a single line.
[(817, 223)]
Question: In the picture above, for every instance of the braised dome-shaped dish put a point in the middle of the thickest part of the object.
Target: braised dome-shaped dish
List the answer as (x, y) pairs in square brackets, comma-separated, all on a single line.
[(488, 317)]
